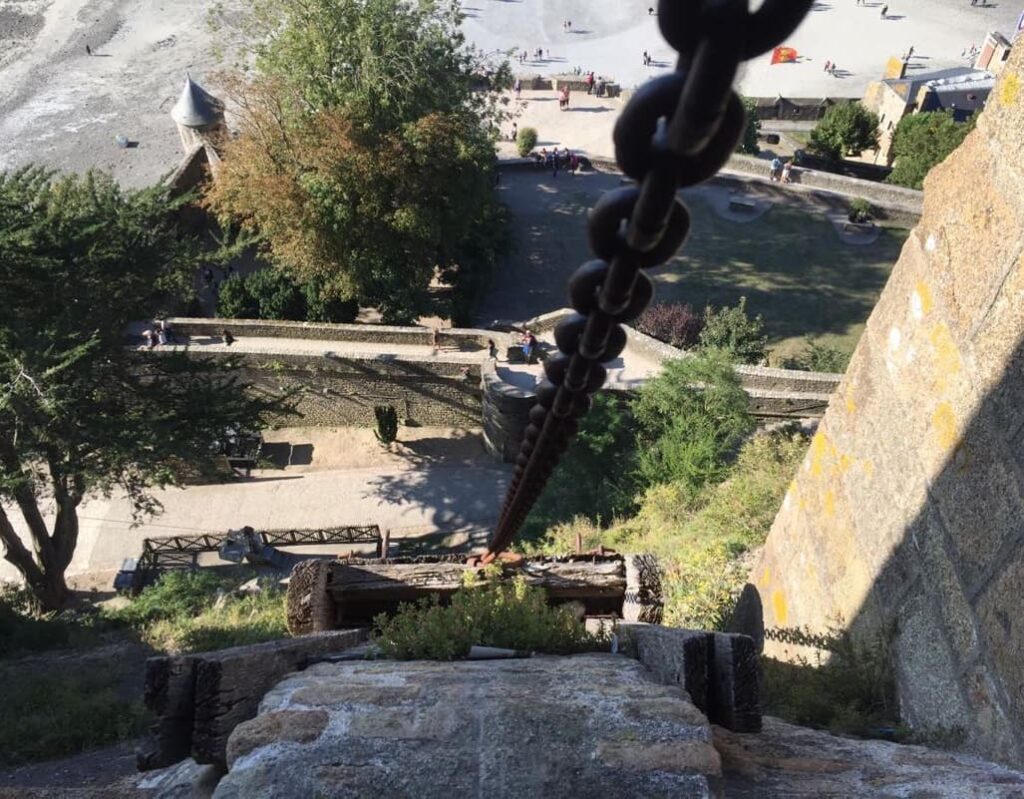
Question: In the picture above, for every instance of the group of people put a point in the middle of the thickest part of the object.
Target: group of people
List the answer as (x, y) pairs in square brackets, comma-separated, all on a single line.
[(830, 67), (780, 172), (160, 334), (647, 59), (567, 25), (538, 55), (555, 160)]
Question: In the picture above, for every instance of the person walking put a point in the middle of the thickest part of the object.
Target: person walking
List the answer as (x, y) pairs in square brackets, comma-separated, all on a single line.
[(590, 83), (786, 168), (776, 169), (515, 131), (88, 50), (228, 338), (828, 63), (647, 59), (885, 12)]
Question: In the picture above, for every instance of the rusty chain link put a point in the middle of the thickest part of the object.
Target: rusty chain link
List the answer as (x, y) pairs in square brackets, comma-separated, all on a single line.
[(677, 130)]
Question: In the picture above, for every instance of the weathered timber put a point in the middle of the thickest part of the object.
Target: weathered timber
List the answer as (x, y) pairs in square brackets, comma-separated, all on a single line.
[(333, 594), (198, 699)]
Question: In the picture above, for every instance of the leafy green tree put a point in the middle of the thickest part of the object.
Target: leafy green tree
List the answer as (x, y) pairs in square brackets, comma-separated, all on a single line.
[(734, 334), (923, 140), (266, 294), (691, 419), (366, 148), (596, 477), (846, 129), (80, 412), (748, 141)]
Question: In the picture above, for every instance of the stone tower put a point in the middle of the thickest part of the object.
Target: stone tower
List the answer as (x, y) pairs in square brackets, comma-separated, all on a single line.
[(198, 114), (906, 519)]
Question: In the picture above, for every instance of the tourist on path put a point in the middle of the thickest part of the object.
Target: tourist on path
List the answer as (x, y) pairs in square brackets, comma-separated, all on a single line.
[(885, 12), (776, 169)]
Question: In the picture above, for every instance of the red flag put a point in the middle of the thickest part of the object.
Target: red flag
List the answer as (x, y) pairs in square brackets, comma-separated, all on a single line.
[(783, 55)]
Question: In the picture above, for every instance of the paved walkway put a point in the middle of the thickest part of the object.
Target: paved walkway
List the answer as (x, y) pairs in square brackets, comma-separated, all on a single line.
[(408, 501)]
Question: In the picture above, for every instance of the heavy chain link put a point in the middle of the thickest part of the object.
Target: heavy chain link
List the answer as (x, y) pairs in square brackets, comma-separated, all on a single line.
[(677, 130)]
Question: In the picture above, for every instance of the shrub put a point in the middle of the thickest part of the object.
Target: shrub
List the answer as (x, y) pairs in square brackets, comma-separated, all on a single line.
[(511, 615), (923, 140), (819, 358), (193, 611), (861, 210), (691, 419), (748, 141), (265, 294), (387, 423), (674, 323), (526, 140), (845, 686), (732, 332), (846, 129), (324, 305), (596, 478)]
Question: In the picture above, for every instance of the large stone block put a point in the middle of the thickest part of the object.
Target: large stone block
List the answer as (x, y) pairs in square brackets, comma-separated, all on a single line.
[(1002, 628)]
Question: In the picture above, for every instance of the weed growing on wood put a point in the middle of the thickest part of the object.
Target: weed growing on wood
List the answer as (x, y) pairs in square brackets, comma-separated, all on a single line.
[(511, 615)]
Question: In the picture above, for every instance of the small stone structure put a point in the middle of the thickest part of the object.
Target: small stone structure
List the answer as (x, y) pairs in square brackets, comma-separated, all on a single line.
[(589, 725), (199, 116), (905, 519)]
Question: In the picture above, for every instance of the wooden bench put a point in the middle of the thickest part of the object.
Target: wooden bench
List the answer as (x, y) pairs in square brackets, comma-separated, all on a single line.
[(742, 204)]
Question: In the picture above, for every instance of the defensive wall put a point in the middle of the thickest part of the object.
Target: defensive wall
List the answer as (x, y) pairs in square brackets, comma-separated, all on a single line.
[(904, 523), (340, 372)]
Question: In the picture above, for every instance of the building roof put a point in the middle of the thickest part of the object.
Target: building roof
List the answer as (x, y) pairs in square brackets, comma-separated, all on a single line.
[(196, 108), (962, 90)]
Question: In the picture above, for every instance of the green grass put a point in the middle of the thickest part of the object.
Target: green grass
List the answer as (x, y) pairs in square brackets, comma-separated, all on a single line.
[(793, 270), (196, 612), (790, 263), (86, 691), (59, 709), (701, 537)]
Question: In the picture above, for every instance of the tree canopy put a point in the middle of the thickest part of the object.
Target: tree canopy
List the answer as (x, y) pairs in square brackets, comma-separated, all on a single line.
[(366, 149), (748, 141), (846, 129), (923, 140), (79, 411)]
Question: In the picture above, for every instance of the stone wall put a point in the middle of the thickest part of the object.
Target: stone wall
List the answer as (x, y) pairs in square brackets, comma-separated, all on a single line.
[(905, 519), (323, 331)]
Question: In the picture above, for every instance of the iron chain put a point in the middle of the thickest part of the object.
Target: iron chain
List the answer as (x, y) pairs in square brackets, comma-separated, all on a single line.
[(676, 131)]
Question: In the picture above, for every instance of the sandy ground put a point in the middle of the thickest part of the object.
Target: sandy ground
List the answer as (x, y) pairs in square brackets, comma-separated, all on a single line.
[(64, 109)]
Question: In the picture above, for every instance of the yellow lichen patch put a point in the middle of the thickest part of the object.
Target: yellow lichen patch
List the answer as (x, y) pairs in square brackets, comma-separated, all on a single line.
[(944, 426), (1010, 90), (828, 504), (766, 577), (780, 609), (868, 467), (947, 357), (851, 404), (921, 300), (821, 451), (845, 462)]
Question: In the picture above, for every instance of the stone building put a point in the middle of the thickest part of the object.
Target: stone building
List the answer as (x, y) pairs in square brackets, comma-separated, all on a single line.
[(199, 116), (961, 90)]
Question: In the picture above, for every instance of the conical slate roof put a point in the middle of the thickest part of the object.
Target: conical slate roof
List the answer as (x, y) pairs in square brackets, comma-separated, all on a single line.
[(196, 108)]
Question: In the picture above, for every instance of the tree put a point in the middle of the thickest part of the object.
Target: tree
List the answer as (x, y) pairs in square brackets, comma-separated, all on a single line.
[(735, 335), (366, 148), (691, 419), (846, 129), (748, 141), (266, 294), (923, 140), (80, 412)]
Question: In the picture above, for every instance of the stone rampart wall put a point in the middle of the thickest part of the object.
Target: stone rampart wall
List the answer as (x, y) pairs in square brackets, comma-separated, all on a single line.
[(905, 520)]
